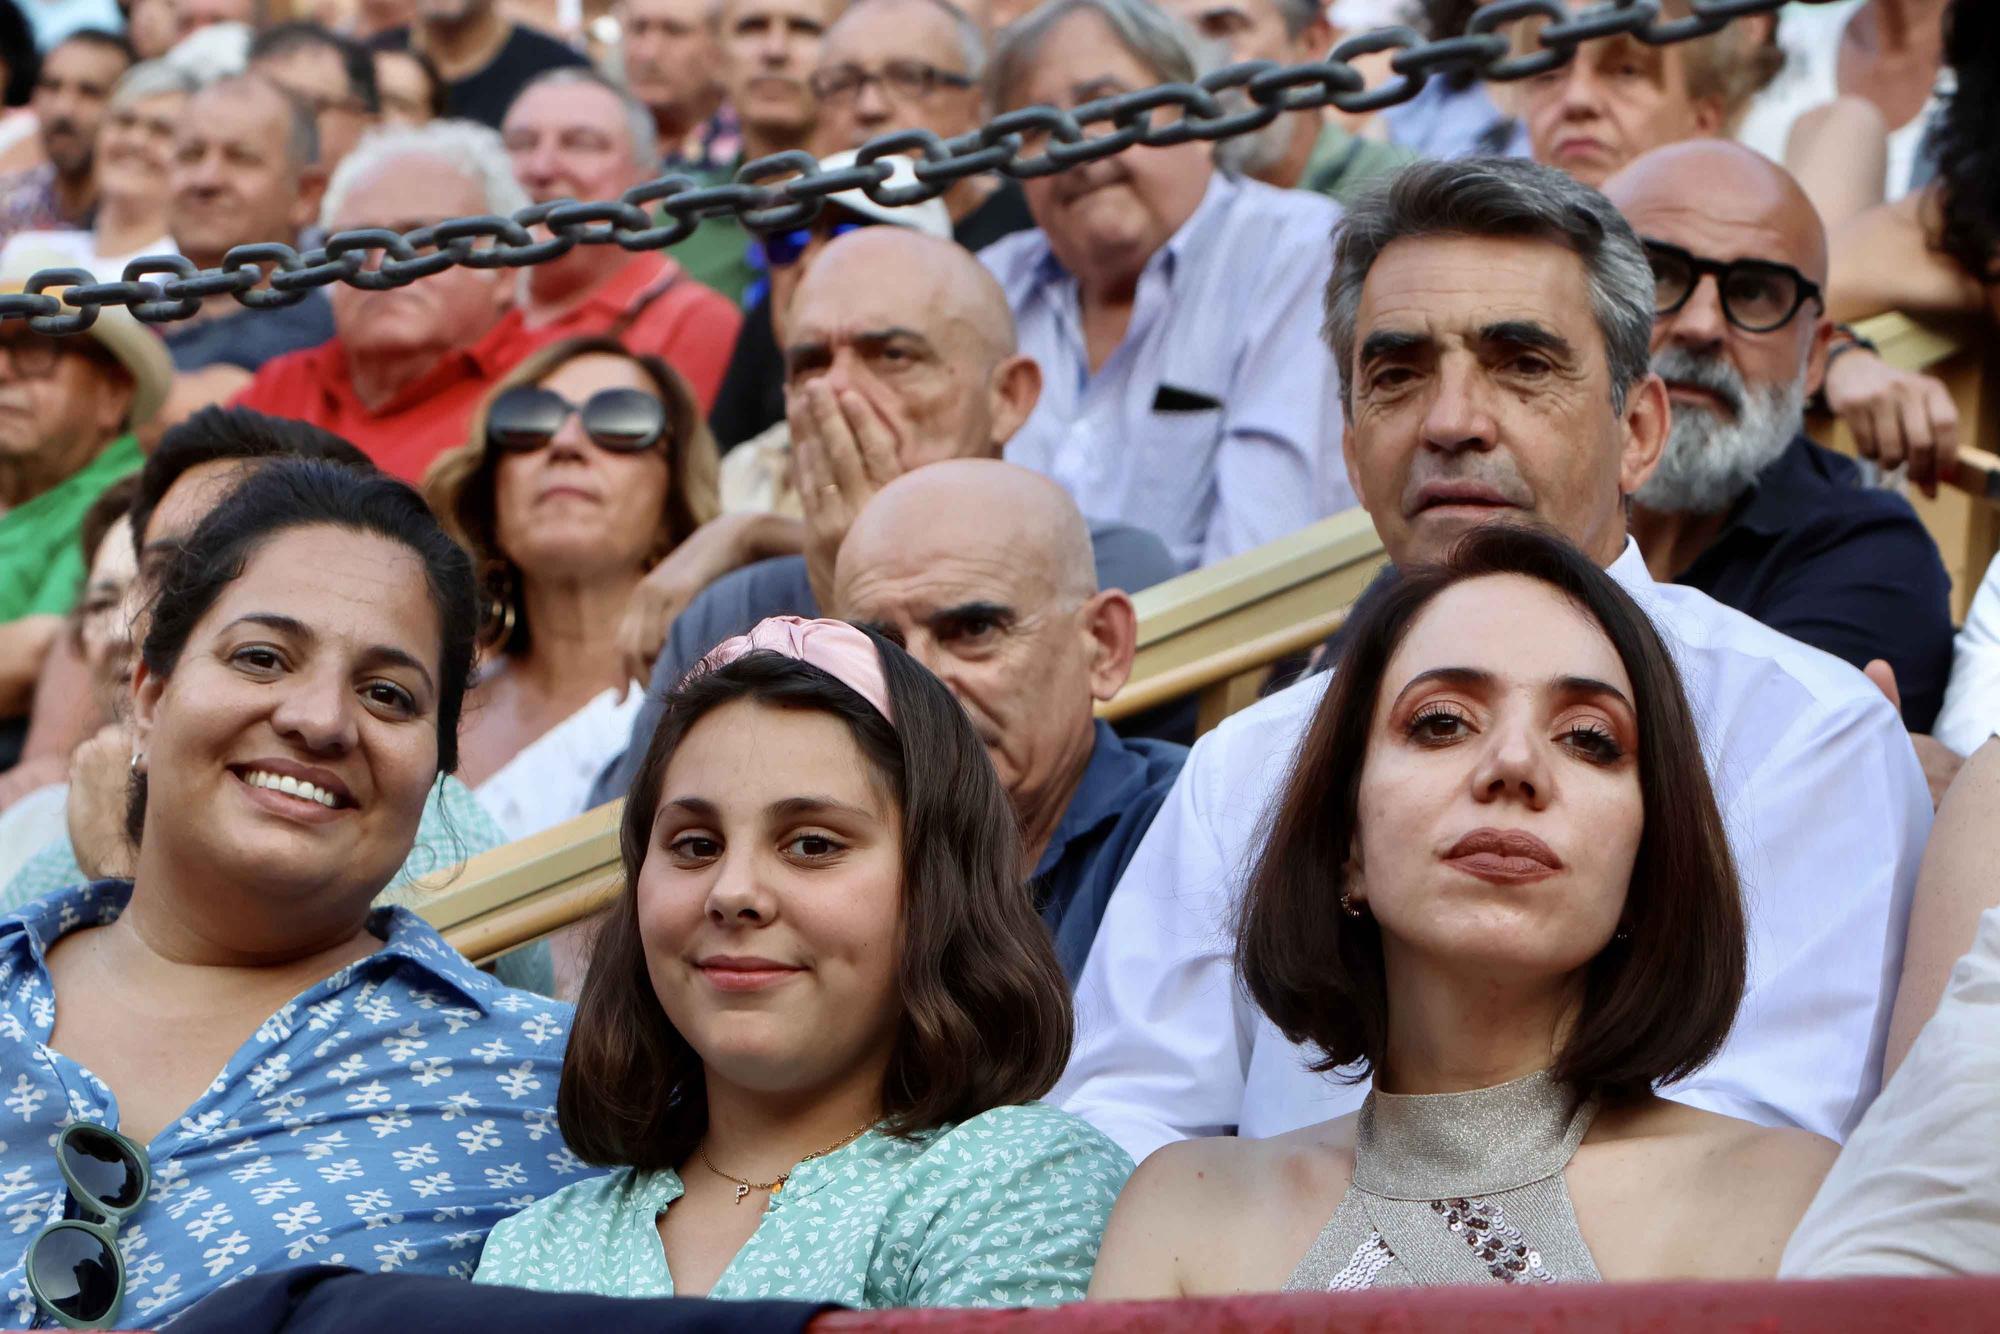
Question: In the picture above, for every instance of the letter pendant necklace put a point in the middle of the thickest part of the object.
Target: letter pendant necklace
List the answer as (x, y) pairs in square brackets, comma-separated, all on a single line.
[(744, 1187)]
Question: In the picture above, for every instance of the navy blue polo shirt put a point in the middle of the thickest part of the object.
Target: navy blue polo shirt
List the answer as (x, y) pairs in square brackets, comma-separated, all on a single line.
[(1121, 791), (1814, 553)]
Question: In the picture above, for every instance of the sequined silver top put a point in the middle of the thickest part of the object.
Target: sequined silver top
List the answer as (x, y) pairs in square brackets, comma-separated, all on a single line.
[(1458, 1188)]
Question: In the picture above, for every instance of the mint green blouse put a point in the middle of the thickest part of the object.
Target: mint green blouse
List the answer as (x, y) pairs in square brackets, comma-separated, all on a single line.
[(1005, 1209)]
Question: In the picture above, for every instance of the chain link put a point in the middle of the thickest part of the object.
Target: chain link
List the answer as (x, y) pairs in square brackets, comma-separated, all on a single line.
[(784, 190)]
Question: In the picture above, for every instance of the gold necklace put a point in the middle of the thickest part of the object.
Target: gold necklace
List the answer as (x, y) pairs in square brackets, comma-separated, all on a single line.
[(745, 1187)]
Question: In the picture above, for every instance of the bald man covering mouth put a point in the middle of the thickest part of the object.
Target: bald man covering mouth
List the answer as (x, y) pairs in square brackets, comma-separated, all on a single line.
[(884, 376), (1743, 506), (985, 571)]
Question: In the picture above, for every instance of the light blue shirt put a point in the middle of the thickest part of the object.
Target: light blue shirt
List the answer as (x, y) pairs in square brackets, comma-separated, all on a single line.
[(1446, 122), (386, 1118), (1216, 422)]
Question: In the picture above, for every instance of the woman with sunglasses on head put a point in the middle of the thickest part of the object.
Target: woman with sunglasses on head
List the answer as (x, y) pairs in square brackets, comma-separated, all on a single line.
[(1497, 886), (588, 464), (230, 1063), (819, 1016)]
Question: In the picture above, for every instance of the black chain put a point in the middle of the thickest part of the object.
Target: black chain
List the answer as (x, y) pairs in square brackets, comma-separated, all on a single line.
[(784, 190)]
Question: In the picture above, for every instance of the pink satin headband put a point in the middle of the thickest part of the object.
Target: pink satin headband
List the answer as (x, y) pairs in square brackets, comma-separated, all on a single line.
[(835, 647)]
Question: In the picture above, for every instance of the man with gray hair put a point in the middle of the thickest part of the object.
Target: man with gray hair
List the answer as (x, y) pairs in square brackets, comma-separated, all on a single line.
[(573, 134), (1491, 321), (1743, 506), (407, 366), (915, 64), (1170, 306), (1303, 150)]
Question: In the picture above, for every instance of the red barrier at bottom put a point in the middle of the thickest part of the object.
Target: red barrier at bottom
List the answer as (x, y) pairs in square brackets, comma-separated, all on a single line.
[(1892, 1306)]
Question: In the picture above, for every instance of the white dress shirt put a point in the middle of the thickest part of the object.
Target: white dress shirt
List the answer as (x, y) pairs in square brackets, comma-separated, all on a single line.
[(548, 780), (1827, 815), (1916, 1191), (1971, 711), (1216, 422)]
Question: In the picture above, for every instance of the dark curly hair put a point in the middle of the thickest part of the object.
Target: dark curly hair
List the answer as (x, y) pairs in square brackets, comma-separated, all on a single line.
[(1968, 141)]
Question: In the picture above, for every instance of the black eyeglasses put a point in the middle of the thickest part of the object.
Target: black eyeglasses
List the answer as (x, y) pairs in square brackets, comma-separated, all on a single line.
[(1757, 295), (905, 78), (74, 1269), (622, 421)]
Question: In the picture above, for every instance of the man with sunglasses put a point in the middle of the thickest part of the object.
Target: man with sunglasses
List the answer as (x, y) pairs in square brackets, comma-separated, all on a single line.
[(1743, 506)]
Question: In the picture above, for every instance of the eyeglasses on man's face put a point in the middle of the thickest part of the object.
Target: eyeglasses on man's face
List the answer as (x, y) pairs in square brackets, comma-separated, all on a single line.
[(903, 78), (1757, 295)]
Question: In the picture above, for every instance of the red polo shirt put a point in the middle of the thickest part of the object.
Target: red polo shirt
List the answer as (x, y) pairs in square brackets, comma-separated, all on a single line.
[(664, 312), (661, 310), (428, 416)]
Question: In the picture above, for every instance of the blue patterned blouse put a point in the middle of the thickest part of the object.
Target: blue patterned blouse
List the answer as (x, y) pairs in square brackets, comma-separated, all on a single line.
[(386, 1119)]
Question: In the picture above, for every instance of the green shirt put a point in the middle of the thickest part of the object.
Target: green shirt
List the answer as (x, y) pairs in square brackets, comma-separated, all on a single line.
[(41, 557), (1005, 1209), (1343, 165), (718, 253)]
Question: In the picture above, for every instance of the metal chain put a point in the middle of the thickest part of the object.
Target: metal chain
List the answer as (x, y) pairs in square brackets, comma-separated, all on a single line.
[(784, 190)]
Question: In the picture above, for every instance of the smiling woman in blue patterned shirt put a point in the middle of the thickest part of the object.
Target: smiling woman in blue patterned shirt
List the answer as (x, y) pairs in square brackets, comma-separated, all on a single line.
[(816, 1020), (312, 1082)]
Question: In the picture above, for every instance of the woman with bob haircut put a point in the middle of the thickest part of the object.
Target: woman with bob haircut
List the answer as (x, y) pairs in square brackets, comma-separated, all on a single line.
[(587, 464), (230, 1063), (816, 1021), (1496, 883)]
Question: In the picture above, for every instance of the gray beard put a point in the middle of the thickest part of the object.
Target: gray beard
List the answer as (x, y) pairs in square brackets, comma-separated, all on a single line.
[(1709, 462), (1256, 153)]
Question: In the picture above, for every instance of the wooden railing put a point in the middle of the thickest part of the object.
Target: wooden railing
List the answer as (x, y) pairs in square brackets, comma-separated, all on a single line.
[(1216, 632), (1213, 633)]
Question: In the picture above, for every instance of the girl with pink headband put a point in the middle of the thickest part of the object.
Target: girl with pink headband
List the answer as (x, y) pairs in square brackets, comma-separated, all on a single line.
[(820, 1016)]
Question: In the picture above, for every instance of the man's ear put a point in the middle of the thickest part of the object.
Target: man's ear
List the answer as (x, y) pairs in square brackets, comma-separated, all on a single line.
[(111, 405), (1815, 367), (305, 200), (1015, 388), (1113, 626), (1710, 116), (1315, 39), (1647, 418)]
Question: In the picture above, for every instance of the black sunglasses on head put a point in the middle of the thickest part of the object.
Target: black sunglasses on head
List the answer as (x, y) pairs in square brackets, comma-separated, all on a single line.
[(621, 421), (1757, 295)]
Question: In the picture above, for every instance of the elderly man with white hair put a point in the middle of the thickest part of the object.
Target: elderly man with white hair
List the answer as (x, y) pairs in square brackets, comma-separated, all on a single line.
[(406, 367), (1173, 308), (573, 134)]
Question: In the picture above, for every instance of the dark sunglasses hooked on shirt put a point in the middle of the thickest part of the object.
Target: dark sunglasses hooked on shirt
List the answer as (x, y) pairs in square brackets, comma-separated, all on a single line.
[(621, 421), (74, 1269), (1757, 295)]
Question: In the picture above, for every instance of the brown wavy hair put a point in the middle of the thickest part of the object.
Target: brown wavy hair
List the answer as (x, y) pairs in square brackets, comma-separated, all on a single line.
[(986, 1011), (460, 486), (1656, 1003)]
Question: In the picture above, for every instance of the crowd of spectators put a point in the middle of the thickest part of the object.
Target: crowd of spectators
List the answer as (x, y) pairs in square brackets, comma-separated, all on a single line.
[(1607, 898)]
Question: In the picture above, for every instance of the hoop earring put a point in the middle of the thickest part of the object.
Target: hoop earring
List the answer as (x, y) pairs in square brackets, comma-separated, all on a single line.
[(1348, 906), (499, 583)]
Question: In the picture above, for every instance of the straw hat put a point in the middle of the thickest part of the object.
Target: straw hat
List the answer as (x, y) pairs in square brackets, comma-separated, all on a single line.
[(134, 346)]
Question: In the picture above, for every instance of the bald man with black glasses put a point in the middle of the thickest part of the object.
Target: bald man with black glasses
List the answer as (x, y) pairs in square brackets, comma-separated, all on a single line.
[(1743, 506)]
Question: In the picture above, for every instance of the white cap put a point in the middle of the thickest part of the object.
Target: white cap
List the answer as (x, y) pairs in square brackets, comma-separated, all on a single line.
[(930, 217)]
